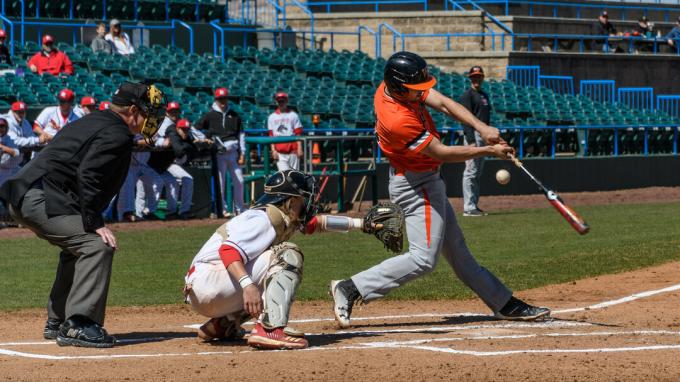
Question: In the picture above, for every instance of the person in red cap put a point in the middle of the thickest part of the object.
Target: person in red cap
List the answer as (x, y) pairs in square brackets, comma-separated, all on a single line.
[(104, 105), (54, 118), (5, 57), (284, 122), (223, 126), (50, 59), (21, 131), (477, 102), (87, 105)]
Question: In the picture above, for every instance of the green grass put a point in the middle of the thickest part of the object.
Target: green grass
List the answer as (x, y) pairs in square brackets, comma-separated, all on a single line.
[(525, 248)]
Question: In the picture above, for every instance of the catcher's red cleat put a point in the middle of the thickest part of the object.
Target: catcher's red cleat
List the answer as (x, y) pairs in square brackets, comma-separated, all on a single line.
[(220, 328), (274, 339)]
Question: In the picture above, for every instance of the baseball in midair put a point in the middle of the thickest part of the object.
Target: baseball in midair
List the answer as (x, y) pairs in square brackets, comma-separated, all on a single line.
[(503, 177)]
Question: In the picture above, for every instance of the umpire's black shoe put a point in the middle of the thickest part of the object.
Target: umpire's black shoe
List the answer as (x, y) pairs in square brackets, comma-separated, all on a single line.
[(51, 328), (518, 310), (83, 332)]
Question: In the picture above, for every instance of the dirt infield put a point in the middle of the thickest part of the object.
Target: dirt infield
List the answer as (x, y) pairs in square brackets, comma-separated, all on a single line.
[(489, 203), (604, 329)]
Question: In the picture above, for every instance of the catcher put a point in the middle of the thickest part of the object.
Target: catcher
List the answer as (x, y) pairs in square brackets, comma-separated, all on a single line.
[(248, 268)]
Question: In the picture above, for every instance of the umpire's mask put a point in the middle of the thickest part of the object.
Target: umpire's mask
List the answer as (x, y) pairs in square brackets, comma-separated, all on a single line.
[(150, 101)]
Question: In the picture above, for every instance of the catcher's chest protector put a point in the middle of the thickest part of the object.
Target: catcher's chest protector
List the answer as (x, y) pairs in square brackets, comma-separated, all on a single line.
[(281, 222)]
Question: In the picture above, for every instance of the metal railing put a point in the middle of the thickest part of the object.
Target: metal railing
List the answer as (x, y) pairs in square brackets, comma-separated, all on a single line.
[(669, 104), (558, 84), (376, 3), (309, 13), (577, 6), (395, 34), (637, 98), (592, 42), (598, 90), (486, 14), (524, 76)]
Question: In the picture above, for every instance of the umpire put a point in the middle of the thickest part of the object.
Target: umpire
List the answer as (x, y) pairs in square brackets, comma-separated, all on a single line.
[(477, 102), (60, 196)]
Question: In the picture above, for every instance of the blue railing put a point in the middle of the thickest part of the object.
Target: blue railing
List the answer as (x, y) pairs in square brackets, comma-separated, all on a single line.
[(375, 3), (577, 6), (524, 75), (395, 34), (488, 15), (452, 39), (637, 98), (585, 42), (558, 84), (669, 104), (598, 90), (309, 14), (75, 27), (371, 32)]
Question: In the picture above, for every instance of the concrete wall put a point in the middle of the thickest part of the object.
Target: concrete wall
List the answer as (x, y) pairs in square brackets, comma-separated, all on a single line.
[(404, 22)]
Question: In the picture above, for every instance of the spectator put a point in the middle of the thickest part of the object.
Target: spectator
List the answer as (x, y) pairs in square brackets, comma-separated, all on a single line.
[(20, 130), (641, 30), (5, 57), (477, 102), (603, 27), (673, 37), (50, 59), (100, 44), (119, 39), (223, 126), (87, 105), (284, 123), (54, 118)]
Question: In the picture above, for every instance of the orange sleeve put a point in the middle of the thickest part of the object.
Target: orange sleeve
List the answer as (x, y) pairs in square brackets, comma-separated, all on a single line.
[(411, 135)]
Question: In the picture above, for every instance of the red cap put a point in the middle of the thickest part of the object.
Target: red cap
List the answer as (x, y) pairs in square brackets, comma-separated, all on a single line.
[(104, 105), (66, 95), (281, 95), (3, 34), (47, 39), (172, 106), (183, 124), (88, 101), (19, 106), (221, 93)]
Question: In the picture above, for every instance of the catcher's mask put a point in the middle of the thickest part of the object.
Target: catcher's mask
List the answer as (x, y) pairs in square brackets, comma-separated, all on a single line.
[(283, 185), (150, 101)]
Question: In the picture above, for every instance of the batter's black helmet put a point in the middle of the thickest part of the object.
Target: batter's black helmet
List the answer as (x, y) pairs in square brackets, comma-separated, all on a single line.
[(407, 70), (283, 185)]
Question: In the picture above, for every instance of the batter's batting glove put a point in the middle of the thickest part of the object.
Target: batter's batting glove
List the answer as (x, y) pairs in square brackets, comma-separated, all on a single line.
[(386, 222)]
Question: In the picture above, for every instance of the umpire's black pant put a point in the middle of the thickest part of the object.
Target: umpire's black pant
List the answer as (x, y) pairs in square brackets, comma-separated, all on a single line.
[(82, 282)]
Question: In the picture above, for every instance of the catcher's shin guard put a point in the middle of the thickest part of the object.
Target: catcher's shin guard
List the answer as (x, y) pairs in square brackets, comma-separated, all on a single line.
[(281, 282)]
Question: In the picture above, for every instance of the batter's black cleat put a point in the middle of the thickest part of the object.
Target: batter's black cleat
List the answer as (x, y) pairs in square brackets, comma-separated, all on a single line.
[(518, 310), (51, 328), (82, 332), (345, 294)]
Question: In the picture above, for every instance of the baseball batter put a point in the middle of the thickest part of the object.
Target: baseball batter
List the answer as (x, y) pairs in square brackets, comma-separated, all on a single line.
[(408, 137), (248, 267)]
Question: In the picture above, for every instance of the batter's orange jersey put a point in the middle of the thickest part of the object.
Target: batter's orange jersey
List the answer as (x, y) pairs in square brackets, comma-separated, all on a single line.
[(404, 130)]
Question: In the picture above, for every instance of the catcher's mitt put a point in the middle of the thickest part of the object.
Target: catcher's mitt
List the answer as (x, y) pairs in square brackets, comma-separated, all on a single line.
[(386, 222)]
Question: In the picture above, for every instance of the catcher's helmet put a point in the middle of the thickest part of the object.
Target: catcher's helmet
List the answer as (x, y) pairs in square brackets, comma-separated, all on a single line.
[(407, 70), (283, 185)]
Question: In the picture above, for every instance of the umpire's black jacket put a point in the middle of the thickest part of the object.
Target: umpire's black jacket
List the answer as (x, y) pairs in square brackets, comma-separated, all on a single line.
[(81, 169)]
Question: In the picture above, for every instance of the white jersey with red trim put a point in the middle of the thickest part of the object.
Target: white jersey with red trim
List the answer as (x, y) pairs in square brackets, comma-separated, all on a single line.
[(51, 120), (284, 125), (250, 233)]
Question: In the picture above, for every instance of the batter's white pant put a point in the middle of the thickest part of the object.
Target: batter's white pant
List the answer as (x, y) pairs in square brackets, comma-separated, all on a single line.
[(432, 231), (129, 201), (228, 161), (471, 176), (288, 162), (178, 182), (214, 293)]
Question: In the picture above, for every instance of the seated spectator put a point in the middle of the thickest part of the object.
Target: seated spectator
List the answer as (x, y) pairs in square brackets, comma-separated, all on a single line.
[(673, 37), (87, 105), (120, 40), (603, 27), (50, 60), (100, 44), (641, 30), (5, 57), (54, 118)]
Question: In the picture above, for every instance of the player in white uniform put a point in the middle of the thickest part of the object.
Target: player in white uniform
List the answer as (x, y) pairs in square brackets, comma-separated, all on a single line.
[(54, 118), (285, 123), (87, 105), (10, 161), (20, 130), (141, 178), (248, 269)]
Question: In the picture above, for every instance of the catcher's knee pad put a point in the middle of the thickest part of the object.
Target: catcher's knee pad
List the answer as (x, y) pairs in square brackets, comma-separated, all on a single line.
[(283, 277)]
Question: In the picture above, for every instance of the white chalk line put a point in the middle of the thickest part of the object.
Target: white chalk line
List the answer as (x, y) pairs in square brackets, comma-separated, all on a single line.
[(535, 351), (601, 305)]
